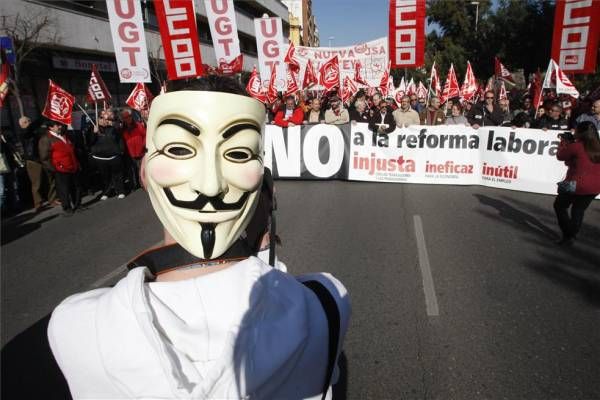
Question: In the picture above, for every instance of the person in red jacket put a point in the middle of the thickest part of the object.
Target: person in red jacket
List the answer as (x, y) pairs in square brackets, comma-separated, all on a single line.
[(581, 154), (290, 116), (57, 154), (134, 135)]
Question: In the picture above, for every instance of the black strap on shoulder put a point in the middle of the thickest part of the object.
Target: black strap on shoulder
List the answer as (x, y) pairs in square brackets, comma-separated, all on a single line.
[(333, 322)]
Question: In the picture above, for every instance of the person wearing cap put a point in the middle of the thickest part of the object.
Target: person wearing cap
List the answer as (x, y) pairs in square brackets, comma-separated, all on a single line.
[(57, 154), (203, 317), (336, 114)]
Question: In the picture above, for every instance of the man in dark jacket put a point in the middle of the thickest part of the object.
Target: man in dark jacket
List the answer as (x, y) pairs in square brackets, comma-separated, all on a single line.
[(107, 153), (57, 154), (553, 119), (485, 114), (30, 133), (382, 120)]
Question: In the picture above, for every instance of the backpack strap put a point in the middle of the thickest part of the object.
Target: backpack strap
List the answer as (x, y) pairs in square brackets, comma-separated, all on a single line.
[(333, 323)]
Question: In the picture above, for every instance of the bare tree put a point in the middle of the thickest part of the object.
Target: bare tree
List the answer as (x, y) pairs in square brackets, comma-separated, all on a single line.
[(155, 65), (29, 32)]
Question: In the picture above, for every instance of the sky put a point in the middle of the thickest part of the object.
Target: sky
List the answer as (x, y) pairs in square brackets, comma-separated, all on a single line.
[(352, 22)]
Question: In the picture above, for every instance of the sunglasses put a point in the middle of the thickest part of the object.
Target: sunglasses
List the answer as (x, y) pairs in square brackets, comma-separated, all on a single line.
[(488, 98)]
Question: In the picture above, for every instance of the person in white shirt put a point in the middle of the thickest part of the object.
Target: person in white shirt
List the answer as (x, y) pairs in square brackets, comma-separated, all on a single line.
[(202, 318)]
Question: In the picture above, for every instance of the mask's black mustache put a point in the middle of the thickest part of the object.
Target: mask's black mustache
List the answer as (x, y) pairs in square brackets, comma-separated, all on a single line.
[(202, 200)]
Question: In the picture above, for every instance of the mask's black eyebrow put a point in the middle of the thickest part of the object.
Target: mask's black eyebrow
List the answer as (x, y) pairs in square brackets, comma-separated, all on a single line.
[(182, 124), (232, 130)]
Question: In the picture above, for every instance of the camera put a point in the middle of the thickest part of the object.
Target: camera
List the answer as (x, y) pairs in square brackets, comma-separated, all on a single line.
[(567, 136)]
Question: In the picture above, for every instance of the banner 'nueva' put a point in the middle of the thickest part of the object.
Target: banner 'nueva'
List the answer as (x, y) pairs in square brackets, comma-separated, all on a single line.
[(269, 45), (407, 33), (372, 56), (517, 159), (129, 41), (576, 35), (223, 29), (179, 36)]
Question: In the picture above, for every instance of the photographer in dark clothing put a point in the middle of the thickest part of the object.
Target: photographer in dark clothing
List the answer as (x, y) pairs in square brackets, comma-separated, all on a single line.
[(107, 153)]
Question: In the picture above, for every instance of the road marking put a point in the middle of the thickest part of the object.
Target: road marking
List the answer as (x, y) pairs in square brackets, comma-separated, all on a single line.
[(122, 269), (428, 287)]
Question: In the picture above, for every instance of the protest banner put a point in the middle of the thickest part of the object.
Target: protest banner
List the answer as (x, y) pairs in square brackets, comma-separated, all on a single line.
[(223, 30), (517, 159), (129, 41), (271, 51), (407, 33)]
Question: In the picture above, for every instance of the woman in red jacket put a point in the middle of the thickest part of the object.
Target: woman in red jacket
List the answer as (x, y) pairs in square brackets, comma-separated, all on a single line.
[(582, 156)]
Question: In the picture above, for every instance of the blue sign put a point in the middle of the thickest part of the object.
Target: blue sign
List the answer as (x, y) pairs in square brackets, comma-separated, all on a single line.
[(6, 46)]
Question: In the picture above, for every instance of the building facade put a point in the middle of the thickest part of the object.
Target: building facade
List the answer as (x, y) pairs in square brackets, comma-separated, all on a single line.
[(303, 24), (78, 35)]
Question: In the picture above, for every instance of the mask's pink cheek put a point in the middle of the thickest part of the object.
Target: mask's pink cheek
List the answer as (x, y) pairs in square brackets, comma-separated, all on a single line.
[(168, 172), (252, 177)]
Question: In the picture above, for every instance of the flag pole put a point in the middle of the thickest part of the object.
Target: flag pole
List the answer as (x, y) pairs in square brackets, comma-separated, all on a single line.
[(87, 115)]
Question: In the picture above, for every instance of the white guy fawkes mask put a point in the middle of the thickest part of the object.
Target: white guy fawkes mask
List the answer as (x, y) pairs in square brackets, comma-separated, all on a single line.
[(204, 166)]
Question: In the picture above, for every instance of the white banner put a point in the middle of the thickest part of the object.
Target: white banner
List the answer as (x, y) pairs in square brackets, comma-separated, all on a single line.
[(223, 29), (372, 55), (129, 41), (271, 51), (516, 159)]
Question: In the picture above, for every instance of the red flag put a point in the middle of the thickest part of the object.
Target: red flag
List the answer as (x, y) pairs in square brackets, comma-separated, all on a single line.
[(501, 72), (349, 89), (97, 90), (254, 87), (384, 84), (140, 98), (421, 91), (451, 88), (310, 78), (357, 76), (555, 77), (329, 74), (290, 60), (435, 86), (292, 84), (179, 37), (469, 87), (4, 73), (232, 67), (272, 89), (407, 33), (489, 86), (411, 88), (59, 104), (502, 93)]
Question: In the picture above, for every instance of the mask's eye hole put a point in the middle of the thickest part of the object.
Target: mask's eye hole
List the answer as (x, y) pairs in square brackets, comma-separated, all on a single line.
[(238, 155), (179, 151)]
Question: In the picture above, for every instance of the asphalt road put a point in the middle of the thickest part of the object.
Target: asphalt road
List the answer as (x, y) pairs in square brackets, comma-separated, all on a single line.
[(457, 292)]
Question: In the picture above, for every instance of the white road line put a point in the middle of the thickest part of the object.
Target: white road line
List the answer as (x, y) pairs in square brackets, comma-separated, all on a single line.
[(428, 287), (122, 269)]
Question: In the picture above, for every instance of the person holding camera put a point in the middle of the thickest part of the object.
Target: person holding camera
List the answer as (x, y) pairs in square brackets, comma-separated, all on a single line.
[(581, 153)]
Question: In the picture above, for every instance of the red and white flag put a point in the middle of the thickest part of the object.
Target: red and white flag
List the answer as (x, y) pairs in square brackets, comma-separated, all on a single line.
[(97, 90), (59, 104), (179, 36), (290, 60), (501, 72), (556, 78), (469, 87), (4, 77), (421, 91), (310, 78), (411, 88), (233, 67), (329, 74), (451, 88), (384, 84), (402, 87), (357, 75), (140, 98), (255, 88), (435, 87), (292, 83), (272, 88), (407, 33), (502, 92), (349, 89), (489, 86)]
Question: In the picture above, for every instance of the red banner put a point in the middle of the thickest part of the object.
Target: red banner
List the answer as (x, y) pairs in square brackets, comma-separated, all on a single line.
[(310, 78), (177, 23), (59, 104), (407, 33), (254, 87), (97, 90), (140, 98), (576, 35)]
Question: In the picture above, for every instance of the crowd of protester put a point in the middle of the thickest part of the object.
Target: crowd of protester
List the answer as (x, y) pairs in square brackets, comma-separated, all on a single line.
[(58, 165), (385, 114)]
